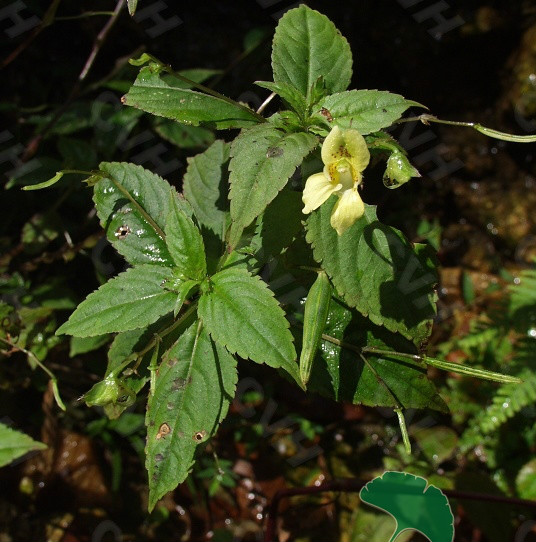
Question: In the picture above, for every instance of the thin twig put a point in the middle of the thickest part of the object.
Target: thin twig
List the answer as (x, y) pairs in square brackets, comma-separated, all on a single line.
[(100, 39), (41, 365), (85, 15), (48, 19), (33, 145), (266, 102)]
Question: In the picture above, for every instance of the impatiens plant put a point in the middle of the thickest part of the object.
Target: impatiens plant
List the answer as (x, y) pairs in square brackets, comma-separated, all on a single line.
[(284, 196)]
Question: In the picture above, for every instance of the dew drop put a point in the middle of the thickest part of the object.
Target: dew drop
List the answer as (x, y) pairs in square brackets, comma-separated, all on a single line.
[(390, 183)]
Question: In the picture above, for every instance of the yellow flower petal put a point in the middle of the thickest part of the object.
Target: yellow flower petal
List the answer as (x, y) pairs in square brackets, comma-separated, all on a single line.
[(346, 144), (332, 145), (358, 150), (318, 189), (347, 210)]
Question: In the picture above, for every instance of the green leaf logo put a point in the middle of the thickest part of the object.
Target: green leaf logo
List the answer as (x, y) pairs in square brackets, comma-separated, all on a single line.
[(413, 504)]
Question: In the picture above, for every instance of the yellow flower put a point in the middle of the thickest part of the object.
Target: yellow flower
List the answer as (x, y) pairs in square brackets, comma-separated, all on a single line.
[(345, 156)]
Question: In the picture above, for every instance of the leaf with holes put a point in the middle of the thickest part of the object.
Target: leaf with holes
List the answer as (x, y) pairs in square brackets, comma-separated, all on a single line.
[(241, 313), (134, 299), (160, 95), (306, 46), (263, 159), (365, 110), (133, 204), (193, 388), (376, 270)]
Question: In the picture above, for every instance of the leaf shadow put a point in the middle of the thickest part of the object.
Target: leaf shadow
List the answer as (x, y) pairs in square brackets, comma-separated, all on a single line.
[(406, 297)]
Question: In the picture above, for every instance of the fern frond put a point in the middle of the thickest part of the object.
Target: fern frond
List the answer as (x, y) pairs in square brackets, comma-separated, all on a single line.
[(507, 402), (524, 292), (522, 306), (525, 356)]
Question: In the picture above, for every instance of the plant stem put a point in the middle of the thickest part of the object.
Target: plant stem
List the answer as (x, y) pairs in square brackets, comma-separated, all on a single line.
[(84, 15), (398, 408), (48, 19), (266, 102), (157, 338), (426, 118), (425, 360), (403, 429), (33, 145), (446, 365), (40, 364)]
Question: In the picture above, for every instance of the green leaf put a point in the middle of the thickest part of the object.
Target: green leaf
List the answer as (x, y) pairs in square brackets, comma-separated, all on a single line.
[(185, 244), (82, 345), (376, 270), (14, 444), (306, 46), (366, 110), (163, 97), (526, 480), (40, 231), (413, 503), (205, 181), (136, 340), (241, 313), (132, 5), (373, 526), (293, 97), (437, 443), (194, 385), (185, 137), (341, 373), (132, 300), (263, 159), (274, 233), (133, 204)]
